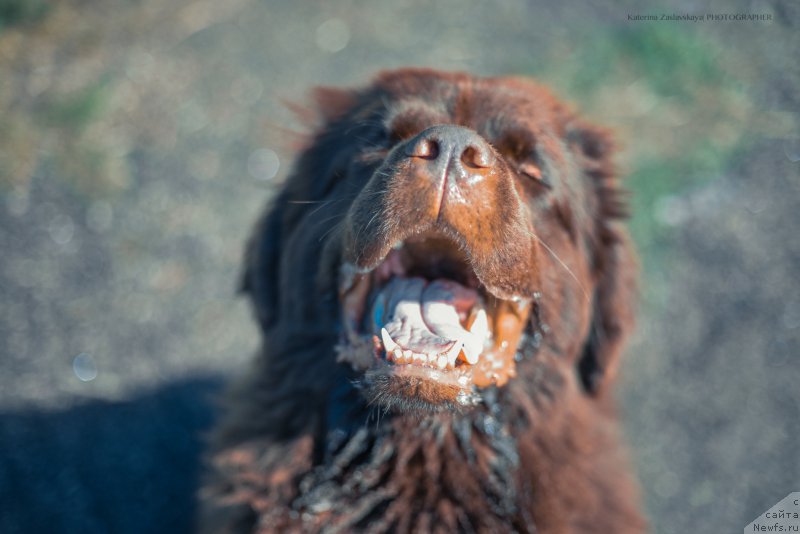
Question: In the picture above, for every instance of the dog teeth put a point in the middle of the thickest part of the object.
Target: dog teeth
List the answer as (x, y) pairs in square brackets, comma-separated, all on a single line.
[(452, 353), (473, 346), (480, 326), (388, 343), (471, 354), (445, 360), (398, 245)]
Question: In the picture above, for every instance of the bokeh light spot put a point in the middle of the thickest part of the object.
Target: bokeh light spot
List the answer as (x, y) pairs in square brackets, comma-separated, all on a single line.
[(791, 147), (84, 367), (61, 229), (17, 203), (333, 35), (263, 164), (671, 210), (246, 90)]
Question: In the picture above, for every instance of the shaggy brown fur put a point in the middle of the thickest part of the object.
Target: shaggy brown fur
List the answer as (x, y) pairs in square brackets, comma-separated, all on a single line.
[(316, 445)]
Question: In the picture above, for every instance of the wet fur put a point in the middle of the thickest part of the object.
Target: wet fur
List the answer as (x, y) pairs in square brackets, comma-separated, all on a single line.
[(301, 449)]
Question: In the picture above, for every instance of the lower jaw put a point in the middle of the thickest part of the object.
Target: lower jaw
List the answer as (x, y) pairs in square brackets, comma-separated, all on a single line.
[(417, 386), (413, 366)]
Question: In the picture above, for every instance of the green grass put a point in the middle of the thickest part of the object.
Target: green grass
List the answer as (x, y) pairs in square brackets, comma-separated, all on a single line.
[(18, 12), (77, 110), (674, 62)]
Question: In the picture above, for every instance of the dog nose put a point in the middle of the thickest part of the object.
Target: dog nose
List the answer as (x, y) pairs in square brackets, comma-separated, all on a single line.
[(451, 148)]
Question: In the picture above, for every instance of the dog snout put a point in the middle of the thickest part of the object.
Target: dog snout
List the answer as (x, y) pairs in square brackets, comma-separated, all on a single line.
[(451, 152)]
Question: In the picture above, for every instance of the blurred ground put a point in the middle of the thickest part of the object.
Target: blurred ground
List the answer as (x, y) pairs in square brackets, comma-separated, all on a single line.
[(138, 141)]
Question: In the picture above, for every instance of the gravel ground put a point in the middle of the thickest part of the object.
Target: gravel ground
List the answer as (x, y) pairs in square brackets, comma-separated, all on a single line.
[(139, 140), (711, 390)]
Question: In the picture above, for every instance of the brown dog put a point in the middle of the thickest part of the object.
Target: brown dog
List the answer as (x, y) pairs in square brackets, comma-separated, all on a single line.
[(444, 289)]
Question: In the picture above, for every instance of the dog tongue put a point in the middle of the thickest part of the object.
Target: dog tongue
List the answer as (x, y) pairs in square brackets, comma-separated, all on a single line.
[(426, 318)]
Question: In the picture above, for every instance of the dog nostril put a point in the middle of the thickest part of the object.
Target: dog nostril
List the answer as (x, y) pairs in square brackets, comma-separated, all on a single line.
[(424, 148), (476, 157)]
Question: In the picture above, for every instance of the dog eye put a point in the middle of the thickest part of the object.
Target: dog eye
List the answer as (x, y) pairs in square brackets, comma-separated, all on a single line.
[(530, 170)]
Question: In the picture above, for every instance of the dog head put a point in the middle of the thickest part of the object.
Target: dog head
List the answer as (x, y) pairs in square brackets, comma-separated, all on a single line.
[(446, 228)]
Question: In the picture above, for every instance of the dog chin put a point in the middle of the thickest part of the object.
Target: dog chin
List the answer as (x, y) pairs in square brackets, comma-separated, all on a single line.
[(414, 389), (409, 395)]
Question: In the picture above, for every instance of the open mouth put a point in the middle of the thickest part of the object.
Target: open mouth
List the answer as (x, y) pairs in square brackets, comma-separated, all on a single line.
[(422, 316)]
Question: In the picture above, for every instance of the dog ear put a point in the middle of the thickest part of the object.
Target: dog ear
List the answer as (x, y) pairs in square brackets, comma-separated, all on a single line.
[(613, 315), (260, 277), (311, 180), (614, 263)]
